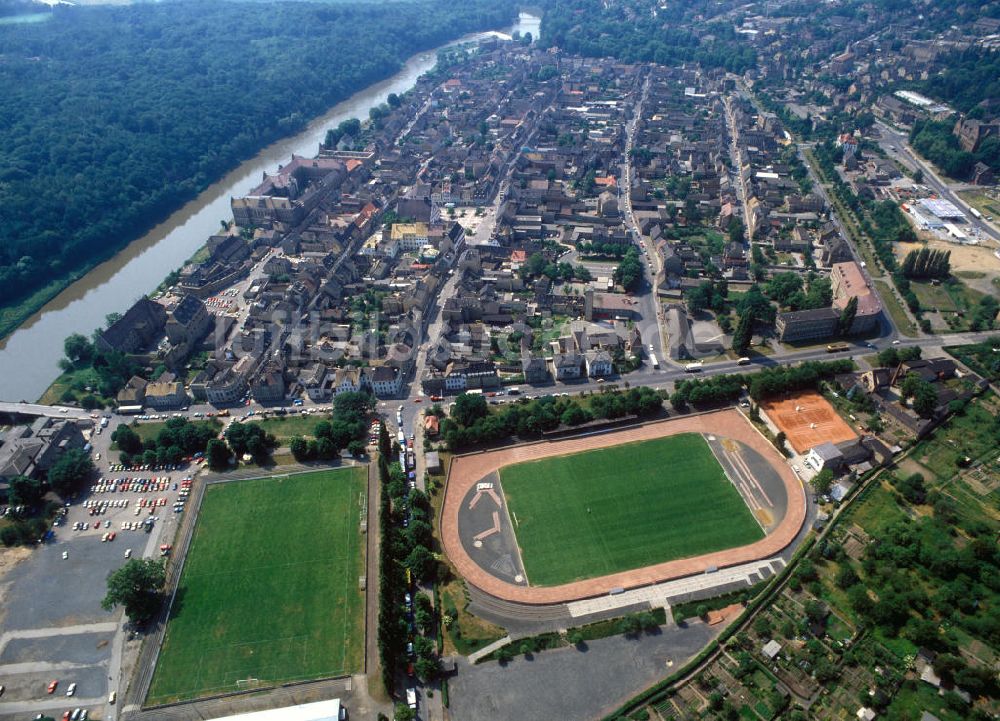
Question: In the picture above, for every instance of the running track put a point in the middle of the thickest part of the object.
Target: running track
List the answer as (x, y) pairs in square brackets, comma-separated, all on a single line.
[(467, 470)]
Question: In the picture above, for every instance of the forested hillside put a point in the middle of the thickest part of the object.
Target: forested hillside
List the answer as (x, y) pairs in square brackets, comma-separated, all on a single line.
[(114, 116)]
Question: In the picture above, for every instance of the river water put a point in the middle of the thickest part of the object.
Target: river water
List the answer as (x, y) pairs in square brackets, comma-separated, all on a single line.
[(29, 357)]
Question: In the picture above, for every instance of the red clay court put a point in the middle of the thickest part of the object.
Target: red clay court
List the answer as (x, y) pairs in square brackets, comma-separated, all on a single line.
[(808, 420)]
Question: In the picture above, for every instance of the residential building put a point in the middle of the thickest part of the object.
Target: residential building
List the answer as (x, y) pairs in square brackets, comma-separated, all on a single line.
[(162, 395), (385, 381)]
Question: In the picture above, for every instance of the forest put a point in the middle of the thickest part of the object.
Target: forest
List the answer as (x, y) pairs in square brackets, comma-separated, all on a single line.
[(936, 142), (114, 116)]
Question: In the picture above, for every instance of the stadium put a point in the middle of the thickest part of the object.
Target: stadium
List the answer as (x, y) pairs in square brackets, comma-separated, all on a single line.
[(558, 521)]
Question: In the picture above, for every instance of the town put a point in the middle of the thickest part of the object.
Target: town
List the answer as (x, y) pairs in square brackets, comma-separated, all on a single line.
[(448, 331)]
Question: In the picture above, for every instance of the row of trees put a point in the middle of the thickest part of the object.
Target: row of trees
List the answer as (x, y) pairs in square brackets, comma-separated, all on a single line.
[(403, 549), (927, 263), (766, 383), (177, 439), (472, 421)]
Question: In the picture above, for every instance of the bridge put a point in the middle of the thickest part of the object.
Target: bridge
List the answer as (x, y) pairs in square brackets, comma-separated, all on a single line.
[(37, 409)]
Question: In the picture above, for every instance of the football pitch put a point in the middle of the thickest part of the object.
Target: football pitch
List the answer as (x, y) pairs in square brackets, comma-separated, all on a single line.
[(615, 509), (269, 589)]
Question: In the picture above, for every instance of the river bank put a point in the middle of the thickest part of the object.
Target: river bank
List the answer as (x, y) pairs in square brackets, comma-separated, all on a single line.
[(29, 357)]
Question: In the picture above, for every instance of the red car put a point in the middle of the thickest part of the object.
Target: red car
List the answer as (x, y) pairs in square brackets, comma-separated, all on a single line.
[(52, 686)]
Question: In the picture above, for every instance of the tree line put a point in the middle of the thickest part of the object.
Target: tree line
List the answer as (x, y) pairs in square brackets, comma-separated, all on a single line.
[(766, 383), (125, 112), (405, 548), (472, 422), (927, 263)]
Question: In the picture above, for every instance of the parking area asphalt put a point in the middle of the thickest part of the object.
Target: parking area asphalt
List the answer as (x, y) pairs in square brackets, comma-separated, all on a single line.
[(567, 683), (52, 626)]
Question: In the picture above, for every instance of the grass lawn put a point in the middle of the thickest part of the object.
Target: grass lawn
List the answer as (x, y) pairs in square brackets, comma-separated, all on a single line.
[(270, 586), (285, 428), (896, 311), (598, 512)]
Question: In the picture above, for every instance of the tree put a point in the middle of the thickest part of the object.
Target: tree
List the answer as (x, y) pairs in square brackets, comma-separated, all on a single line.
[(72, 467), (217, 453), (823, 480), (582, 273), (25, 491), (421, 563), (138, 586), (469, 408), (575, 638), (628, 274), (847, 316), (299, 448), (504, 655), (384, 441), (925, 400), (888, 358), (743, 334), (404, 713)]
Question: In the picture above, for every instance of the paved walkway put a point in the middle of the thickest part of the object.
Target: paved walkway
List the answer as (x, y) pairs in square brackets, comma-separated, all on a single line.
[(468, 469), (659, 595), (487, 650)]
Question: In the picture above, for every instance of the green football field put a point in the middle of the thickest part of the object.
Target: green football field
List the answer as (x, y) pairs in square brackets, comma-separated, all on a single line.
[(614, 509), (270, 589)]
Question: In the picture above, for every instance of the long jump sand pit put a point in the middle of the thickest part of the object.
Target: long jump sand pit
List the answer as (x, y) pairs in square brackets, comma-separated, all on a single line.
[(808, 420), (470, 474)]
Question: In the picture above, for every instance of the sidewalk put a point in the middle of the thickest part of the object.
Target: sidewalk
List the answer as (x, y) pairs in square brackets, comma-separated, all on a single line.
[(487, 650)]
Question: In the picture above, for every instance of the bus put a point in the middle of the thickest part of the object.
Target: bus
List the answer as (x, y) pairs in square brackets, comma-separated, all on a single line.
[(693, 367), (976, 213), (743, 361), (837, 347), (129, 410), (653, 362), (515, 391)]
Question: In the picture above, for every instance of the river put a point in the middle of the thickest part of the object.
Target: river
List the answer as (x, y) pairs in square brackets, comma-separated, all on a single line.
[(30, 356)]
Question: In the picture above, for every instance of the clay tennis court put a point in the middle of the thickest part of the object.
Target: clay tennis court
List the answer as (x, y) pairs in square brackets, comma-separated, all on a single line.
[(468, 470), (808, 420)]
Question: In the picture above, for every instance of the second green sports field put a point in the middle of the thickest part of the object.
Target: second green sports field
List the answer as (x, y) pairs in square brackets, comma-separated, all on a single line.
[(270, 587), (616, 509)]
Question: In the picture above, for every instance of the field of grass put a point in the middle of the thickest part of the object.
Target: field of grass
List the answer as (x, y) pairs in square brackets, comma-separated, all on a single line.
[(896, 311), (270, 586), (598, 512), (285, 428)]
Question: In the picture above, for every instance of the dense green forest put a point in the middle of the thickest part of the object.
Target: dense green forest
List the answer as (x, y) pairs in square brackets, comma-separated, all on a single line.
[(967, 80), (114, 116), (936, 142)]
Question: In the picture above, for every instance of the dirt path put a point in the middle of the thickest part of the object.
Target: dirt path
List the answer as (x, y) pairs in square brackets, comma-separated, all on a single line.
[(467, 470)]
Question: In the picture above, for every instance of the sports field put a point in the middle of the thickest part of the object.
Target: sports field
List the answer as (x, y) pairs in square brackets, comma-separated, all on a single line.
[(624, 507), (270, 587)]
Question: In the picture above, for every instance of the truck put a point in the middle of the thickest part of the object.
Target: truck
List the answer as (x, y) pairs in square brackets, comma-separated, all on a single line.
[(837, 347), (693, 367), (976, 213), (743, 361), (653, 362), (411, 698)]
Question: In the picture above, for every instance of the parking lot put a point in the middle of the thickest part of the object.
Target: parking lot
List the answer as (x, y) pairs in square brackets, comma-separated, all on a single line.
[(52, 626)]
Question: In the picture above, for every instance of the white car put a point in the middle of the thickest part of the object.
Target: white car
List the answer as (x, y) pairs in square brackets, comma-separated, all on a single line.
[(128, 553), (65, 555), (71, 690)]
